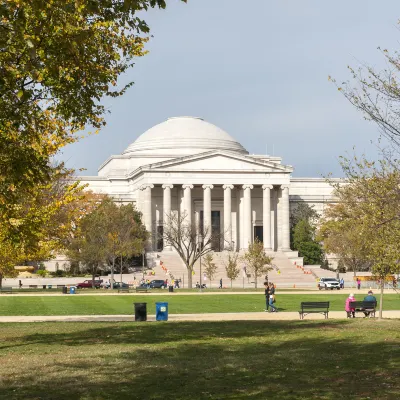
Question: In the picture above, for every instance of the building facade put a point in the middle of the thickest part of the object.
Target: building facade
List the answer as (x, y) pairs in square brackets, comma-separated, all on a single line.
[(187, 166)]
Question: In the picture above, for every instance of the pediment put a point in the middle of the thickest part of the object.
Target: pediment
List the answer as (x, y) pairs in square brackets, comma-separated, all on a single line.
[(219, 161)]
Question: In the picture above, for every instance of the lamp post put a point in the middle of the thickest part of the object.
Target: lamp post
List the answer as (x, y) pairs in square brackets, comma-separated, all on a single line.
[(200, 249), (143, 253)]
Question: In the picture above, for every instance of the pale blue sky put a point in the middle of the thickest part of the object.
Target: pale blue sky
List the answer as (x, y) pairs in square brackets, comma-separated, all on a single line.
[(259, 72)]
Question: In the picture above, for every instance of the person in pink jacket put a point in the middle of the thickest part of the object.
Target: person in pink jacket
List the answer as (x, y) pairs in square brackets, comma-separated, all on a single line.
[(350, 311)]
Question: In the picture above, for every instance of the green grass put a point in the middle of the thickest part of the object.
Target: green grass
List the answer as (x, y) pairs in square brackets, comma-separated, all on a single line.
[(189, 304), (282, 360)]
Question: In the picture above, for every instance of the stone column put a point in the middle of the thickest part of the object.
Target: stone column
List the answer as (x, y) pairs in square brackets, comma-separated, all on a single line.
[(267, 216), (285, 219), (147, 214), (228, 216), (247, 217), (187, 203), (207, 211), (166, 210)]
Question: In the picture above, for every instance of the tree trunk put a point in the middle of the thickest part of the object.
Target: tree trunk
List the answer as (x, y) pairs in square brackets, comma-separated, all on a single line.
[(255, 280), (381, 299), (121, 271), (1, 280), (112, 274), (231, 283), (93, 275), (189, 278)]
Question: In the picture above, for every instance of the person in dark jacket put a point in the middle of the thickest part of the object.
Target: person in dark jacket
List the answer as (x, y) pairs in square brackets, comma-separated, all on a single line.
[(266, 296), (272, 298), (370, 297)]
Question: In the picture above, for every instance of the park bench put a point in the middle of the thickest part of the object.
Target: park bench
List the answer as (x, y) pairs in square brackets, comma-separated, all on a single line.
[(6, 289), (362, 306), (32, 286), (60, 286), (123, 290), (142, 289), (309, 307)]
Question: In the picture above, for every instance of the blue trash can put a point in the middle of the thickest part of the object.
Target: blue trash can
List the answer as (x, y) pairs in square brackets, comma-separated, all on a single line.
[(161, 311), (72, 290)]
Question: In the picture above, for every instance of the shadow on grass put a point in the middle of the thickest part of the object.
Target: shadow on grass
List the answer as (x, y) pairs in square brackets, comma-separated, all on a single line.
[(214, 360)]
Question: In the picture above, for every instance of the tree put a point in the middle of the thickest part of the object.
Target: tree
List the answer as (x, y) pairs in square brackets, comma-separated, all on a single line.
[(106, 233), (126, 233), (210, 267), (256, 260), (231, 267), (370, 202), (303, 211), (58, 59), (9, 257), (48, 213), (304, 241), (344, 239), (376, 94), (190, 241)]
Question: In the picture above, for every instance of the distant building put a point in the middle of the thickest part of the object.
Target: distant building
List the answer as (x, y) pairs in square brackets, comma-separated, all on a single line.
[(186, 164)]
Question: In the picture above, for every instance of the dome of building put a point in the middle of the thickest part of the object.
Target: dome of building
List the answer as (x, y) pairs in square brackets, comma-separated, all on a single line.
[(183, 136)]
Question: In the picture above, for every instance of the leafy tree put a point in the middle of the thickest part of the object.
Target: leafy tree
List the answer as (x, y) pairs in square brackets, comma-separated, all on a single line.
[(106, 233), (58, 59), (311, 252), (256, 260), (185, 239), (210, 267), (9, 257), (303, 211), (344, 239), (231, 267), (370, 200), (305, 243)]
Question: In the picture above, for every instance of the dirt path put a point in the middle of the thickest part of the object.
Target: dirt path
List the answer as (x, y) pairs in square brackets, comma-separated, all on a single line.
[(255, 316)]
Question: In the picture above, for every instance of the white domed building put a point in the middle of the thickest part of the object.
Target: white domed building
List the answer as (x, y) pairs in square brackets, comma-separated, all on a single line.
[(187, 165)]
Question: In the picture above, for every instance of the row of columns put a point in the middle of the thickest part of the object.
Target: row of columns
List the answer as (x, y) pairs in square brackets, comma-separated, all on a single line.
[(247, 217)]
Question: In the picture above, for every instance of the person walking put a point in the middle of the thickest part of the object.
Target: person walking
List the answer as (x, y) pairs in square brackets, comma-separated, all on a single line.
[(220, 283), (272, 298), (358, 283), (350, 311), (266, 292), (342, 283)]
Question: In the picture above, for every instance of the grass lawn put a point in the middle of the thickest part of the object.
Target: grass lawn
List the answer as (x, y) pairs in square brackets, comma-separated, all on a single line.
[(190, 304), (201, 360)]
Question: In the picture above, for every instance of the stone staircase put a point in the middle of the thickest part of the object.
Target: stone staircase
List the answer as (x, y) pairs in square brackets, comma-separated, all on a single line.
[(285, 273)]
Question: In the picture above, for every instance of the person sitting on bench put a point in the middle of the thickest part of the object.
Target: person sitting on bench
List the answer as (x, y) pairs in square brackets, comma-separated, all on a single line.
[(350, 311), (369, 297)]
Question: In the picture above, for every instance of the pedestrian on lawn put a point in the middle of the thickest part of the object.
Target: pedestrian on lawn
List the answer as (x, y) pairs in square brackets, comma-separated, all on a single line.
[(266, 296), (358, 283), (220, 283), (350, 311), (272, 299), (342, 283)]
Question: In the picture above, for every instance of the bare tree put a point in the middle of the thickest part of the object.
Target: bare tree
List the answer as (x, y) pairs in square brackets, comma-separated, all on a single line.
[(190, 241), (231, 267)]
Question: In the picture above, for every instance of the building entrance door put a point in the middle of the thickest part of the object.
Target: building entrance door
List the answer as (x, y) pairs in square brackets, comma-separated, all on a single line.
[(215, 229), (259, 233)]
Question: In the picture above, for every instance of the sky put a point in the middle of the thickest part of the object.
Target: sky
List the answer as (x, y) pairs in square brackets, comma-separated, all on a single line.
[(257, 69)]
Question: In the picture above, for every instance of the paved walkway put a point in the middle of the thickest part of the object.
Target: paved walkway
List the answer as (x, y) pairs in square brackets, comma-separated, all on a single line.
[(204, 293), (255, 316)]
